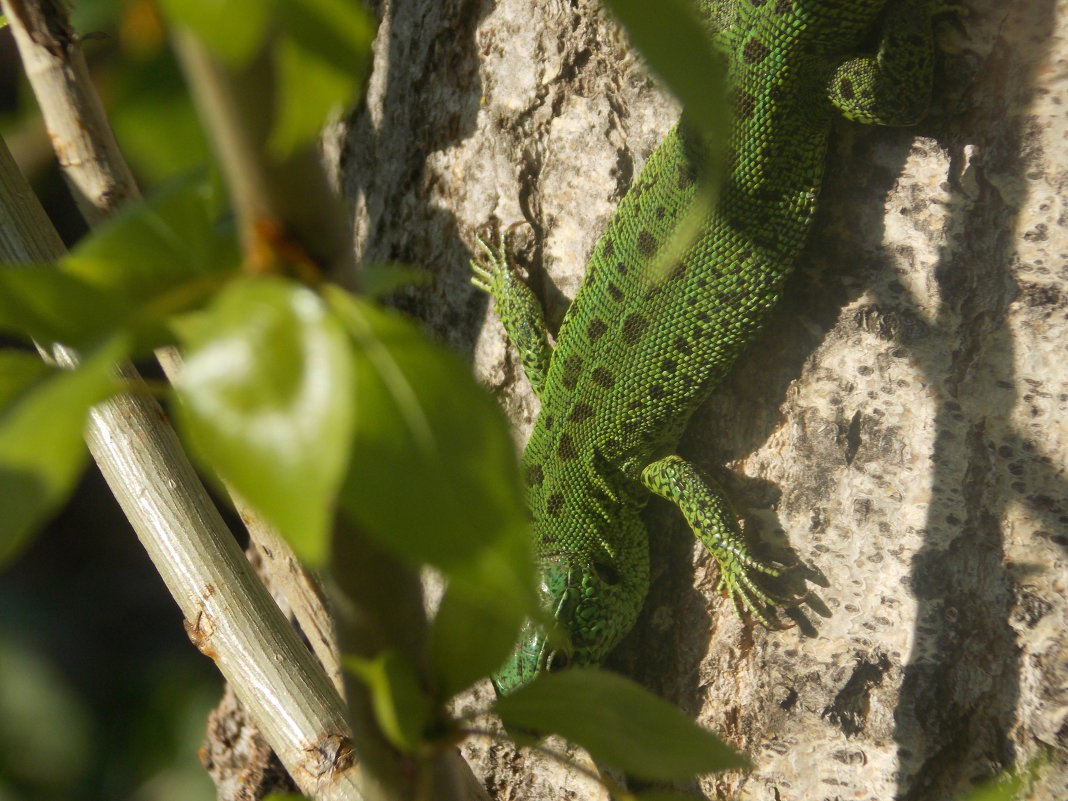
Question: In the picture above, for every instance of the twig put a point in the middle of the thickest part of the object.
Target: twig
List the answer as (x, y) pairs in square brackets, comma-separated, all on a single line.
[(317, 763), (102, 182), (229, 614)]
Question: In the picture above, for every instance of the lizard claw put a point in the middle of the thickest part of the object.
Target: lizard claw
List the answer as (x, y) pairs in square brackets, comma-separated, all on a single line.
[(489, 270), (745, 594)]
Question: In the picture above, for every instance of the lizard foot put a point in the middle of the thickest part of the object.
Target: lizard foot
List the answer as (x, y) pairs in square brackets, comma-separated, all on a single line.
[(490, 270)]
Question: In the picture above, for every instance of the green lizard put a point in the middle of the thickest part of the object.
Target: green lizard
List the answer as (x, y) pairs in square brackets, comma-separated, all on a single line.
[(636, 354)]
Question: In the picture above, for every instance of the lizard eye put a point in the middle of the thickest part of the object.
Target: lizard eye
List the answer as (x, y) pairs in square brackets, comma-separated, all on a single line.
[(606, 572)]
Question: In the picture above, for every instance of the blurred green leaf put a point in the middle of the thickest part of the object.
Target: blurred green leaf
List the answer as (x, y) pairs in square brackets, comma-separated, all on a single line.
[(470, 638), (233, 29), (677, 46), (19, 370), (385, 278), (1005, 787), (41, 448), (154, 120), (150, 248), (434, 474), (45, 303), (401, 707), (619, 723), (321, 58), (45, 739), (266, 396)]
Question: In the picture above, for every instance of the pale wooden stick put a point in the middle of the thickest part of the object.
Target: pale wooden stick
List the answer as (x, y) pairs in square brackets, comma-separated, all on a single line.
[(311, 216), (101, 182), (229, 614)]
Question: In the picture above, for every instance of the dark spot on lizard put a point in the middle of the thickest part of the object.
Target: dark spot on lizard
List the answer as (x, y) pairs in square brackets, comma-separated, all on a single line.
[(609, 248), (572, 371), (646, 243), (683, 347), (554, 503), (755, 51), (633, 328), (783, 7), (743, 103), (656, 391), (582, 411), (596, 329), (535, 475), (845, 89), (602, 376), (621, 268), (668, 366), (661, 212), (687, 175), (615, 292), (566, 449)]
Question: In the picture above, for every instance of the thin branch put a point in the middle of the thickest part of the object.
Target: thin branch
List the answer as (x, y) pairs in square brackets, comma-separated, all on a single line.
[(321, 764), (229, 614), (102, 182), (275, 200), (83, 141)]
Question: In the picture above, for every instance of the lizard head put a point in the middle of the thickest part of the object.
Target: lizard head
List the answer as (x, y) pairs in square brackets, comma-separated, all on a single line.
[(591, 603)]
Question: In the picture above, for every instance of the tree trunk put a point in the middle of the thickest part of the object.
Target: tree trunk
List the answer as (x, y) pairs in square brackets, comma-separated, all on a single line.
[(898, 429)]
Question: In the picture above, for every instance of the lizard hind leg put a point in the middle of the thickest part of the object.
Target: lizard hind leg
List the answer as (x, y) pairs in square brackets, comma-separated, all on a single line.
[(709, 514), (892, 87)]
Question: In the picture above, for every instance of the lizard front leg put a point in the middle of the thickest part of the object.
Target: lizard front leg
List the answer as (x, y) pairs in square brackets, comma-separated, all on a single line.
[(709, 514), (519, 309)]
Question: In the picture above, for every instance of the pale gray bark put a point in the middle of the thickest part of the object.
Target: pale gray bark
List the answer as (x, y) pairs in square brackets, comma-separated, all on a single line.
[(898, 429)]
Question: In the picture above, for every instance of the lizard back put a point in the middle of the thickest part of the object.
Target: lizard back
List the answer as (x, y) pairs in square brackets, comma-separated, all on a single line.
[(637, 355)]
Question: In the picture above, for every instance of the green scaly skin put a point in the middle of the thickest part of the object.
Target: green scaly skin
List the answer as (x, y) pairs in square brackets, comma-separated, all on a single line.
[(635, 355)]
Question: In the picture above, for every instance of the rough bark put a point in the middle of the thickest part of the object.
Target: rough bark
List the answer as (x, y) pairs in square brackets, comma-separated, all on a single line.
[(898, 429)]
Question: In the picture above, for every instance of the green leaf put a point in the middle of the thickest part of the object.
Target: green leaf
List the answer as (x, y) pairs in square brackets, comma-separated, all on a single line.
[(234, 30), (151, 248), (679, 49), (266, 396), (471, 637), (321, 60), (1008, 785), (19, 370), (154, 259), (46, 732), (619, 723), (385, 278), (434, 475), (41, 449), (45, 303), (401, 707), (155, 122)]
